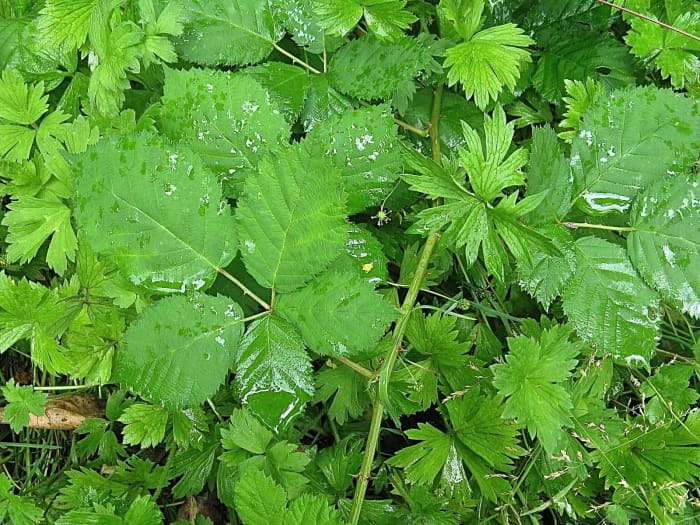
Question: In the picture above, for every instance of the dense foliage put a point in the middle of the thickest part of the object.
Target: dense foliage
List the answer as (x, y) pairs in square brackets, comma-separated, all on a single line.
[(349, 261)]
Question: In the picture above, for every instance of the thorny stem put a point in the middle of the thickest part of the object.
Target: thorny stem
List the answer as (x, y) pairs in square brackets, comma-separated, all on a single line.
[(574, 225), (649, 19), (244, 289), (297, 60), (381, 395)]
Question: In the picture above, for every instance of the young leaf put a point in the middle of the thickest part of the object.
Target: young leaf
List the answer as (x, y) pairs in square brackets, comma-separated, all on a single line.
[(180, 349), (608, 304), (245, 432), (30, 222), (20, 103), (259, 500), (144, 424), (21, 400), (385, 18), (364, 146), (488, 61), (130, 195), (288, 84), (531, 377), (337, 314), (273, 372), (617, 153), (230, 32), (291, 219), (65, 23), (229, 120), (489, 167), (665, 243), (18, 510)]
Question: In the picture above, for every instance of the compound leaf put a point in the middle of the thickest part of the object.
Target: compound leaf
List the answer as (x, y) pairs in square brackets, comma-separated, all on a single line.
[(229, 120), (488, 61), (66, 22), (618, 152), (230, 32), (21, 400), (259, 500), (337, 313), (291, 219), (665, 244), (131, 194), (179, 351), (144, 424), (273, 372), (530, 379), (608, 304)]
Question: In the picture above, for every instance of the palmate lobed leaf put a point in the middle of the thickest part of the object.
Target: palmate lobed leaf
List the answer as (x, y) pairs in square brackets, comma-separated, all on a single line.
[(291, 219), (131, 193), (180, 349), (664, 245)]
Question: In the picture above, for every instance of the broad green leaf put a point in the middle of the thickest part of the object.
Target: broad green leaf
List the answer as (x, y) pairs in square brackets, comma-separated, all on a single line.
[(363, 145), (531, 380), (387, 18), (131, 194), (544, 275), (66, 22), (489, 166), (31, 221), (668, 392), (364, 255), (144, 424), (194, 465), (323, 101), (337, 313), (549, 172), (338, 16), (423, 461), (179, 351), (582, 55), (372, 69), (287, 84), (273, 372), (16, 142), (664, 245), (291, 219), (489, 61), (609, 305), (230, 32), (229, 120), (143, 510), (21, 401), (259, 500), (20, 103), (459, 20), (302, 23), (618, 152), (246, 432), (312, 508)]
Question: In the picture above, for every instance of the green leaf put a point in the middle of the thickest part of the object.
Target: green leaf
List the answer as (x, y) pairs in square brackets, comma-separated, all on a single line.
[(33, 312), (30, 222), (364, 146), (544, 275), (664, 245), (179, 351), (291, 219), (246, 432), (310, 508), (273, 372), (549, 172), (20, 103), (668, 393), (617, 153), (143, 510), (323, 101), (131, 193), (300, 20), (344, 391), (21, 400), (66, 22), (338, 17), (371, 69), (489, 166), (609, 305), (364, 255), (229, 120), (259, 500), (531, 379), (583, 54), (230, 32), (194, 465), (424, 461), (337, 314), (387, 18), (18, 510), (288, 84), (488, 61), (144, 424)]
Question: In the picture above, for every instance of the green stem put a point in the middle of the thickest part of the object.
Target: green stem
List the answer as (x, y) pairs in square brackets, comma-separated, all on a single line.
[(381, 395), (297, 60), (244, 289), (418, 131), (574, 225), (358, 368), (649, 19)]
